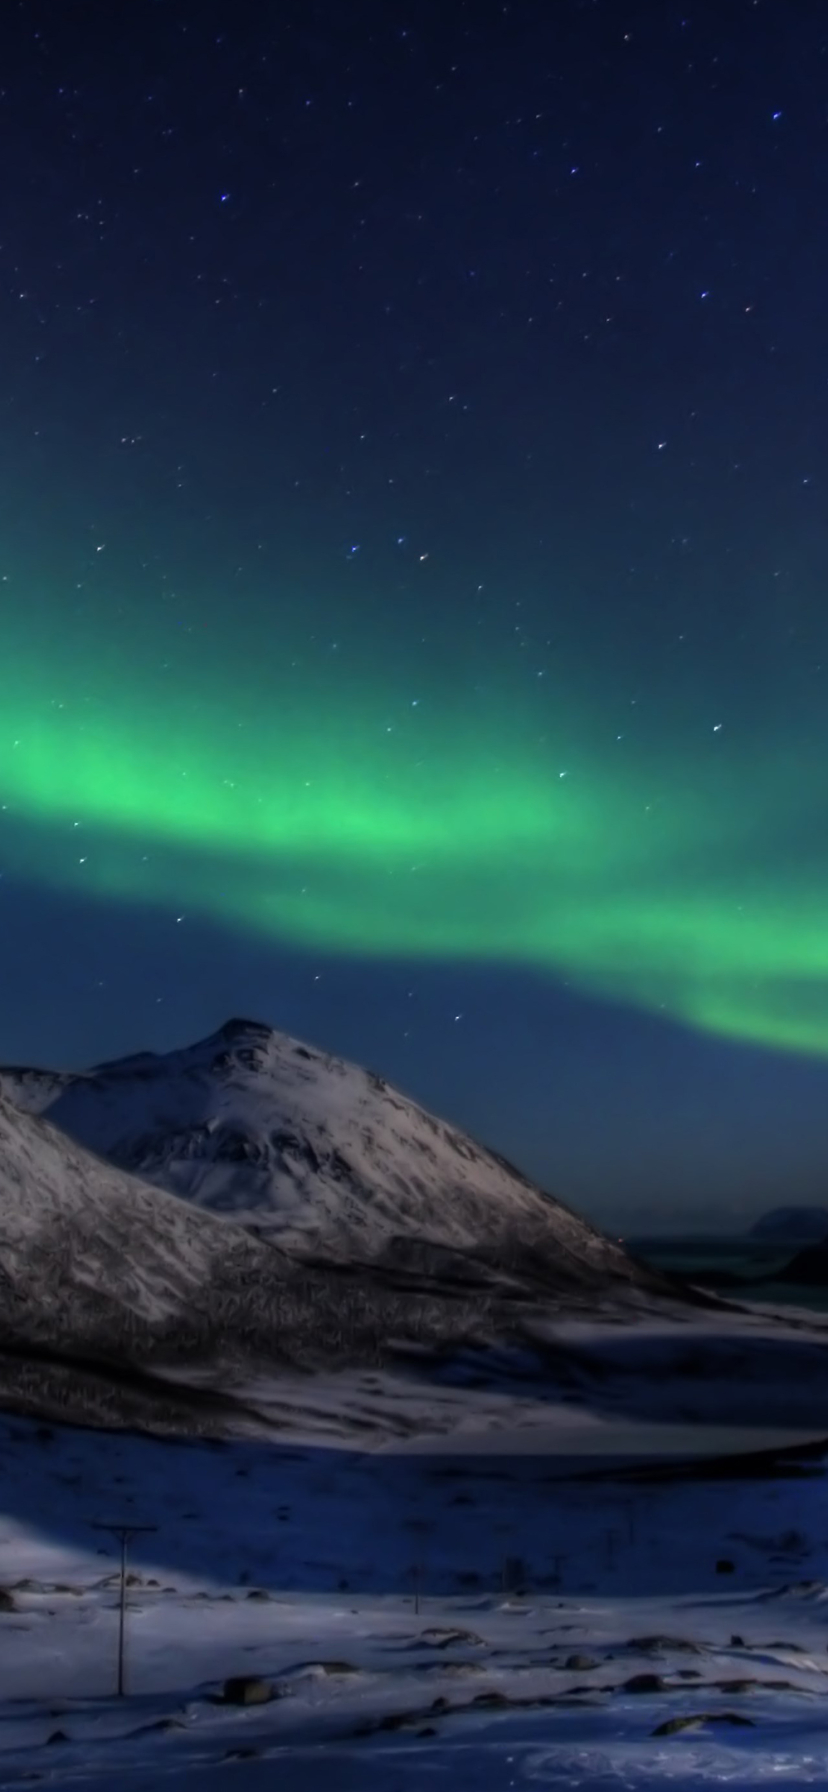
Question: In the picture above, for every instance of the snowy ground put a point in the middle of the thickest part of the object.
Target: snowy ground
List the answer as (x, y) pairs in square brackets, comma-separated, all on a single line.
[(472, 1620)]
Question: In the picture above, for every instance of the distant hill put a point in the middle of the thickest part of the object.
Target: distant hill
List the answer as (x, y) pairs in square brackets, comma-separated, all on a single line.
[(791, 1224)]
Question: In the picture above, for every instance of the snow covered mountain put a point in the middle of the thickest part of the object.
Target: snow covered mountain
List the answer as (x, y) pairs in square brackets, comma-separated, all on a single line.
[(123, 1303), (321, 1156)]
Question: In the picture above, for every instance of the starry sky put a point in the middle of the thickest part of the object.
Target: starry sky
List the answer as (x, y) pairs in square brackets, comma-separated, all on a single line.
[(413, 598)]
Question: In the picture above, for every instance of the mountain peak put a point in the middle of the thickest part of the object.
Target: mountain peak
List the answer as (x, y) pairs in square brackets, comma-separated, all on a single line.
[(237, 1029)]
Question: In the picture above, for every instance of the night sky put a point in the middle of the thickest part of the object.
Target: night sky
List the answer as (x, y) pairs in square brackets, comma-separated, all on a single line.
[(414, 559)]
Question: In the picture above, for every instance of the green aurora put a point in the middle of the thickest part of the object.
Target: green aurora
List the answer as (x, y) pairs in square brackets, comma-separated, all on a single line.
[(340, 814)]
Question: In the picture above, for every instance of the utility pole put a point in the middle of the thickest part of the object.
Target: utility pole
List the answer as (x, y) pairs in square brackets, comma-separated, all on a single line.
[(124, 1534)]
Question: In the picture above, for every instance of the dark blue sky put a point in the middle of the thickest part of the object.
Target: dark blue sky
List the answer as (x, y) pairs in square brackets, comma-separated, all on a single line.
[(425, 409)]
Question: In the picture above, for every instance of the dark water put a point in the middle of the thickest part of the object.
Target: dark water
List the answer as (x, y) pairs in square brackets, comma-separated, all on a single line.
[(756, 1261)]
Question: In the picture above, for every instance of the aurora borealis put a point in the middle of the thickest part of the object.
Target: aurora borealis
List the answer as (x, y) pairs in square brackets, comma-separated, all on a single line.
[(441, 838), (413, 553)]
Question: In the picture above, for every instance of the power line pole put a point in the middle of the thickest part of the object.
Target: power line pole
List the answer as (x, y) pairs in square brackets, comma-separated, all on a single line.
[(124, 1534)]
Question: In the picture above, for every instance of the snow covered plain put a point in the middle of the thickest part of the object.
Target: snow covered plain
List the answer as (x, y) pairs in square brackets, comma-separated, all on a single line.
[(472, 1618)]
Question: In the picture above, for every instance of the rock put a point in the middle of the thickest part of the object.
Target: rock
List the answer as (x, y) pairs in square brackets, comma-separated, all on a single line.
[(247, 1689), (7, 1603), (257, 1593), (438, 1638), (737, 1642), (579, 1664), (645, 1683), (675, 1724), (57, 1736)]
